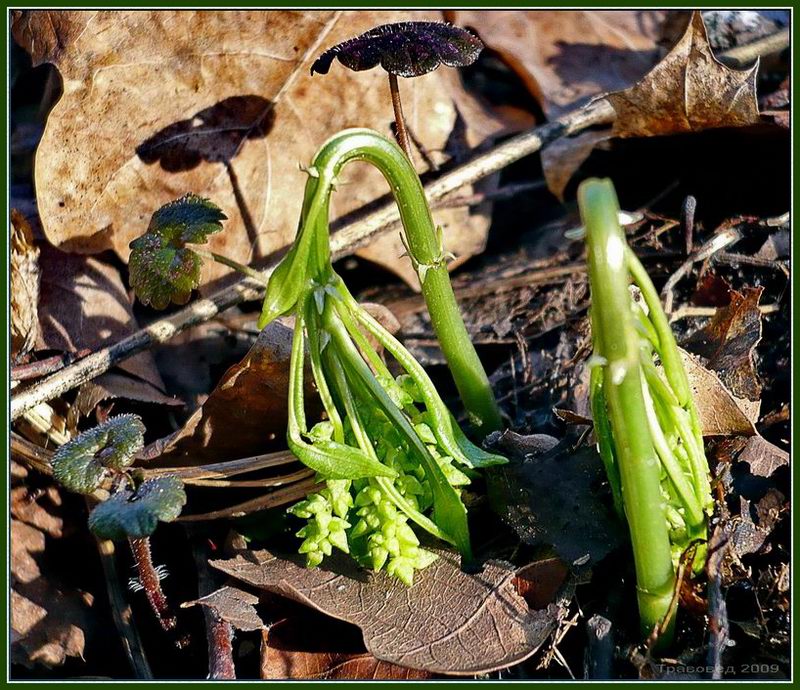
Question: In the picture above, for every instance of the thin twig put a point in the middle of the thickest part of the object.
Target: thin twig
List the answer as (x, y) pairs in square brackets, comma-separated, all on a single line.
[(717, 243), (122, 614), (273, 499), (252, 483), (228, 468), (742, 56), (344, 242), (687, 312), (219, 633)]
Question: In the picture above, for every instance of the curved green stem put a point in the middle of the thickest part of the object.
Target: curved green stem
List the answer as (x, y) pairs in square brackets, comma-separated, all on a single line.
[(425, 250)]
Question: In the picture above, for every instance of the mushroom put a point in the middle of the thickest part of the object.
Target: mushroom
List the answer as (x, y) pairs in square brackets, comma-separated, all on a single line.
[(404, 49)]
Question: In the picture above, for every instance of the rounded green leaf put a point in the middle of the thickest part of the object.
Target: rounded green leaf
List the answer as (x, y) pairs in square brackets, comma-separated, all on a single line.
[(162, 267), (135, 514), (80, 464)]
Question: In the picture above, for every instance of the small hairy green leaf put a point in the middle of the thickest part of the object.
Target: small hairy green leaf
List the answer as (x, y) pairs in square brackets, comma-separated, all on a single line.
[(80, 464), (135, 514), (162, 267)]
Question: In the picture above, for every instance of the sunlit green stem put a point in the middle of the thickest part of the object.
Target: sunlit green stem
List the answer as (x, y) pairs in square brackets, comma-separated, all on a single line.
[(617, 342), (427, 254)]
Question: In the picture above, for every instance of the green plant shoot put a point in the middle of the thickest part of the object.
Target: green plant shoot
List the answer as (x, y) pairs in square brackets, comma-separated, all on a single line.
[(646, 424), (424, 245), (390, 453)]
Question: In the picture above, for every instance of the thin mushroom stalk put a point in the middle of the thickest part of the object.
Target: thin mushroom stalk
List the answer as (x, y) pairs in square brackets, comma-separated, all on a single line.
[(646, 424)]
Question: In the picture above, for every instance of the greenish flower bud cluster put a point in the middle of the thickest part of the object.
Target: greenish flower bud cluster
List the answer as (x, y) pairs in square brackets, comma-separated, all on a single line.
[(358, 517)]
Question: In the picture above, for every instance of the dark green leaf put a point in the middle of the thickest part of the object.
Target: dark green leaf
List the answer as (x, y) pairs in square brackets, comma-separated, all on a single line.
[(162, 267), (135, 514), (81, 463)]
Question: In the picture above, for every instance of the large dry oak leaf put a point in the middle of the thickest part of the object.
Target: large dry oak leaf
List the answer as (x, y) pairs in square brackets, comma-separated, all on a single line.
[(222, 104)]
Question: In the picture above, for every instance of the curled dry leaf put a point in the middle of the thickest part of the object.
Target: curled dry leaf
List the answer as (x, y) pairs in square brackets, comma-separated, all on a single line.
[(232, 605), (319, 648), (83, 304), (449, 622), (688, 91), (221, 104), (762, 457), (245, 414), (24, 293), (721, 414), (727, 343)]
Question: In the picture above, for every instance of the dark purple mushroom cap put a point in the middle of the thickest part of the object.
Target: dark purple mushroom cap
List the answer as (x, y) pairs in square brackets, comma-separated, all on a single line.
[(407, 49)]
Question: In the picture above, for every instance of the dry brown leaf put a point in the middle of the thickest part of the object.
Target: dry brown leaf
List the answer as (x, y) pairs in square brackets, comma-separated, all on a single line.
[(24, 287), (246, 413), (449, 622), (111, 386), (232, 605), (222, 104), (83, 304), (727, 343), (48, 621), (688, 91), (320, 648), (763, 457), (555, 497), (564, 57), (721, 414)]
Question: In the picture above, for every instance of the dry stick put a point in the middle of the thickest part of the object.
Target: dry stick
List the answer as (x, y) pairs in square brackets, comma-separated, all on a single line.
[(219, 633), (344, 242), (122, 614), (746, 54), (228, 468), (273, 499)]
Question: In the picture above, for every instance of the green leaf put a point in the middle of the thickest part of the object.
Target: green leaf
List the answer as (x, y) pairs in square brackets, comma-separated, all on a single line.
[(162, 267), (337, 461), (80, 464), (135, 514)]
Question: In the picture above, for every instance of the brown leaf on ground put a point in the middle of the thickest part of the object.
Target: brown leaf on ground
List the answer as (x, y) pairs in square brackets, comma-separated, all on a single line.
[(246, 413), (319, 648), (111, 386), (688, 91), (564, 57), (720, 412), (24, 292), (83, 304), (222, 104), (728, 342), (762, 457), (449, 622), (232, 605), (748, 535), (555, 496), (49, 622)]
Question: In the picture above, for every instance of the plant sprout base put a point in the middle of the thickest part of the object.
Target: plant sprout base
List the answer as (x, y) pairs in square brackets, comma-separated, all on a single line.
[(391, 454), (646, 424)]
